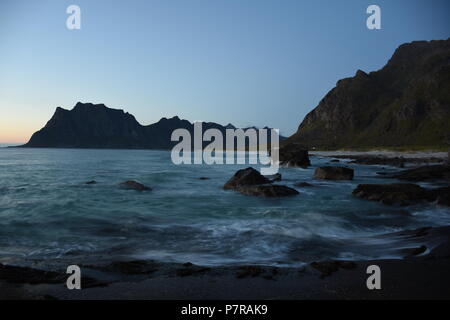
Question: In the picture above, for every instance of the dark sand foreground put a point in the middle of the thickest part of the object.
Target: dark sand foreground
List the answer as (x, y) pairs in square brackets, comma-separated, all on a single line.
[(424, 273)]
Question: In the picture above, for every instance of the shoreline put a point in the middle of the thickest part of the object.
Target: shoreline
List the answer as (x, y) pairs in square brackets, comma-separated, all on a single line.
[(383, 153), (419, 275)]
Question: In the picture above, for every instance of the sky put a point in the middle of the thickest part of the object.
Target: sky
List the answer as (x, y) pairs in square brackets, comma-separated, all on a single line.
[(246, 62)]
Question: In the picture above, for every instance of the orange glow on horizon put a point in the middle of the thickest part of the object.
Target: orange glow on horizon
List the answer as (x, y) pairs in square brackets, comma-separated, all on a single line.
[(15, 134)]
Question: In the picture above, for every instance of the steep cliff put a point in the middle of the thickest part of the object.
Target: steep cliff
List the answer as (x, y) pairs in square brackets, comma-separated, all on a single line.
[(405, 104)]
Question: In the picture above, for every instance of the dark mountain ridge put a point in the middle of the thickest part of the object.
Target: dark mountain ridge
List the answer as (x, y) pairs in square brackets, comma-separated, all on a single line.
[(90, 125)]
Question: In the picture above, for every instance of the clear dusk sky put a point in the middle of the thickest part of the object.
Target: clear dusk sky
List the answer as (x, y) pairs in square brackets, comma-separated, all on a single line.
[(248, 62)]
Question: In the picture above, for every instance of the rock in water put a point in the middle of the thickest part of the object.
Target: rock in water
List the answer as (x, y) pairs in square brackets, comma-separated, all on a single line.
[(293, 155), (251, 182), (246, 177), (334, 173), (402, 194), (425, 173), (398, 193), (275, 177), (135, 186)]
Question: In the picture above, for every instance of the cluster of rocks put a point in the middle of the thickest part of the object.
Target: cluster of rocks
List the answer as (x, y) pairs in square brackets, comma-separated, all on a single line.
[(409, 193), (425, 173), (250, 182), (402, 194), (295, 155)]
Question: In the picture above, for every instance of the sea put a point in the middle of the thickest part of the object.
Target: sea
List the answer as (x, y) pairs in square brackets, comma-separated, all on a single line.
[(49, 214)]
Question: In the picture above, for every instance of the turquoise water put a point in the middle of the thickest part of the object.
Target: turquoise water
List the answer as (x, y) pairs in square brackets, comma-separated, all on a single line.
[(47, 213)]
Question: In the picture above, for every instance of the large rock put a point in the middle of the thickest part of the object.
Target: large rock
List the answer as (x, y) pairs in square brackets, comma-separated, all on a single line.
[(250, 182), (292, 155), (425, 173), (397, 193), (130, 184), (334, 173), (246, 177), (402, 194)]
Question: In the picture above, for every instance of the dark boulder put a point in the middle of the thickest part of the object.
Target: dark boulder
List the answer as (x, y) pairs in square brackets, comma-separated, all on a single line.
[(334, 173), (425, 173), (402, 193), (130, 184), (246, 177), (250, 182), (293, 155)]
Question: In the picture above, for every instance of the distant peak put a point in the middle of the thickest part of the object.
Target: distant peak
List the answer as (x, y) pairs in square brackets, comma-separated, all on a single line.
[(89, 105), (82, 105), (360, 73), (230, 126), (175, 118)]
